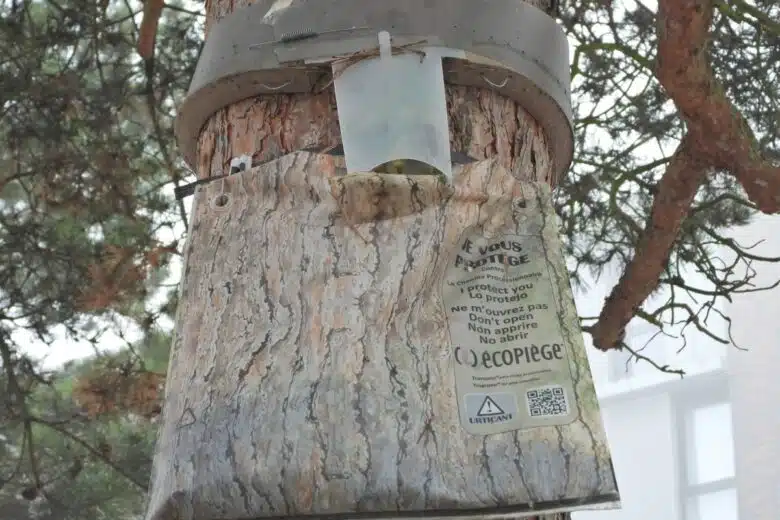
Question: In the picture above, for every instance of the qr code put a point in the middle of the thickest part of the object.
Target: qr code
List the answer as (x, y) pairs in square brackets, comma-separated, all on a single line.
[(547, 401)]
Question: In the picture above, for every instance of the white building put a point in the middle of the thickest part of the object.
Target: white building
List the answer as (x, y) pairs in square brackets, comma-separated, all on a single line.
[(705, 447)]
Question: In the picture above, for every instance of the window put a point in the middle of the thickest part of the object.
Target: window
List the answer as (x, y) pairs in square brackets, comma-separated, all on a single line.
[(708, 488), (710, 444), (718, 505)]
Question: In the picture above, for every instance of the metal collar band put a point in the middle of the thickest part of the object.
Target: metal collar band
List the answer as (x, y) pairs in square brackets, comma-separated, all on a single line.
[(286, 46)]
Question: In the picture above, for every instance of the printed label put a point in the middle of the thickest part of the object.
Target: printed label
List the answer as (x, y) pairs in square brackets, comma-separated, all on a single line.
[(511, 361), (494, 408)]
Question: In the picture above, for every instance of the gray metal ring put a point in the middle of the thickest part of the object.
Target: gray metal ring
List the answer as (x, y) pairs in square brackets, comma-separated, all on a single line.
[(284, 46)]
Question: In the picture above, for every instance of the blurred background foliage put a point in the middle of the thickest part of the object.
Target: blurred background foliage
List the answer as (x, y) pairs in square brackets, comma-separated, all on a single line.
[(90, 235)]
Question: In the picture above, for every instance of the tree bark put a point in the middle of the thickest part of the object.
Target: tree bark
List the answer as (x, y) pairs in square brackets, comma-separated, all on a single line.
[(482, 125), (311, 371)]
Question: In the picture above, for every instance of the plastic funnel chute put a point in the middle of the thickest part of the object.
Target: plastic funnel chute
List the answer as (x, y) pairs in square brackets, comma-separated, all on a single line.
[(392, 109)]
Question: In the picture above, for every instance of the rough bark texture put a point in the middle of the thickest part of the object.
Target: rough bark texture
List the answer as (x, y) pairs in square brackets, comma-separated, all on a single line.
[(312, 371), (482, 125)]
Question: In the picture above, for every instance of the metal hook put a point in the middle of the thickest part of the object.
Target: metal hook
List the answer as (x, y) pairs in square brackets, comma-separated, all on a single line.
[(268, 87), (495, 85)]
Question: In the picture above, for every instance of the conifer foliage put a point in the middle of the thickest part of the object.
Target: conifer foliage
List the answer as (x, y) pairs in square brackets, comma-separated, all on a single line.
[(88, 227)]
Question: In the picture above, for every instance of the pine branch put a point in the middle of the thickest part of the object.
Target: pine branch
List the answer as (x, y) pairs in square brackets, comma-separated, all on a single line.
[(152, 12), (720, 134), (151, 103), (95, 452), (676, 191)]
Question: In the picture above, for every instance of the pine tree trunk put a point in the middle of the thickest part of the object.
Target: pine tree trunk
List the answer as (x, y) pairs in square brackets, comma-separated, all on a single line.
[(310, 370)]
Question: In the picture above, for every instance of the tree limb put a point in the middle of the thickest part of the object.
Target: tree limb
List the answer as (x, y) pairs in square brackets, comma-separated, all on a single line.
[(152, 11), (661, 368), (676, 191), (720, 134)]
